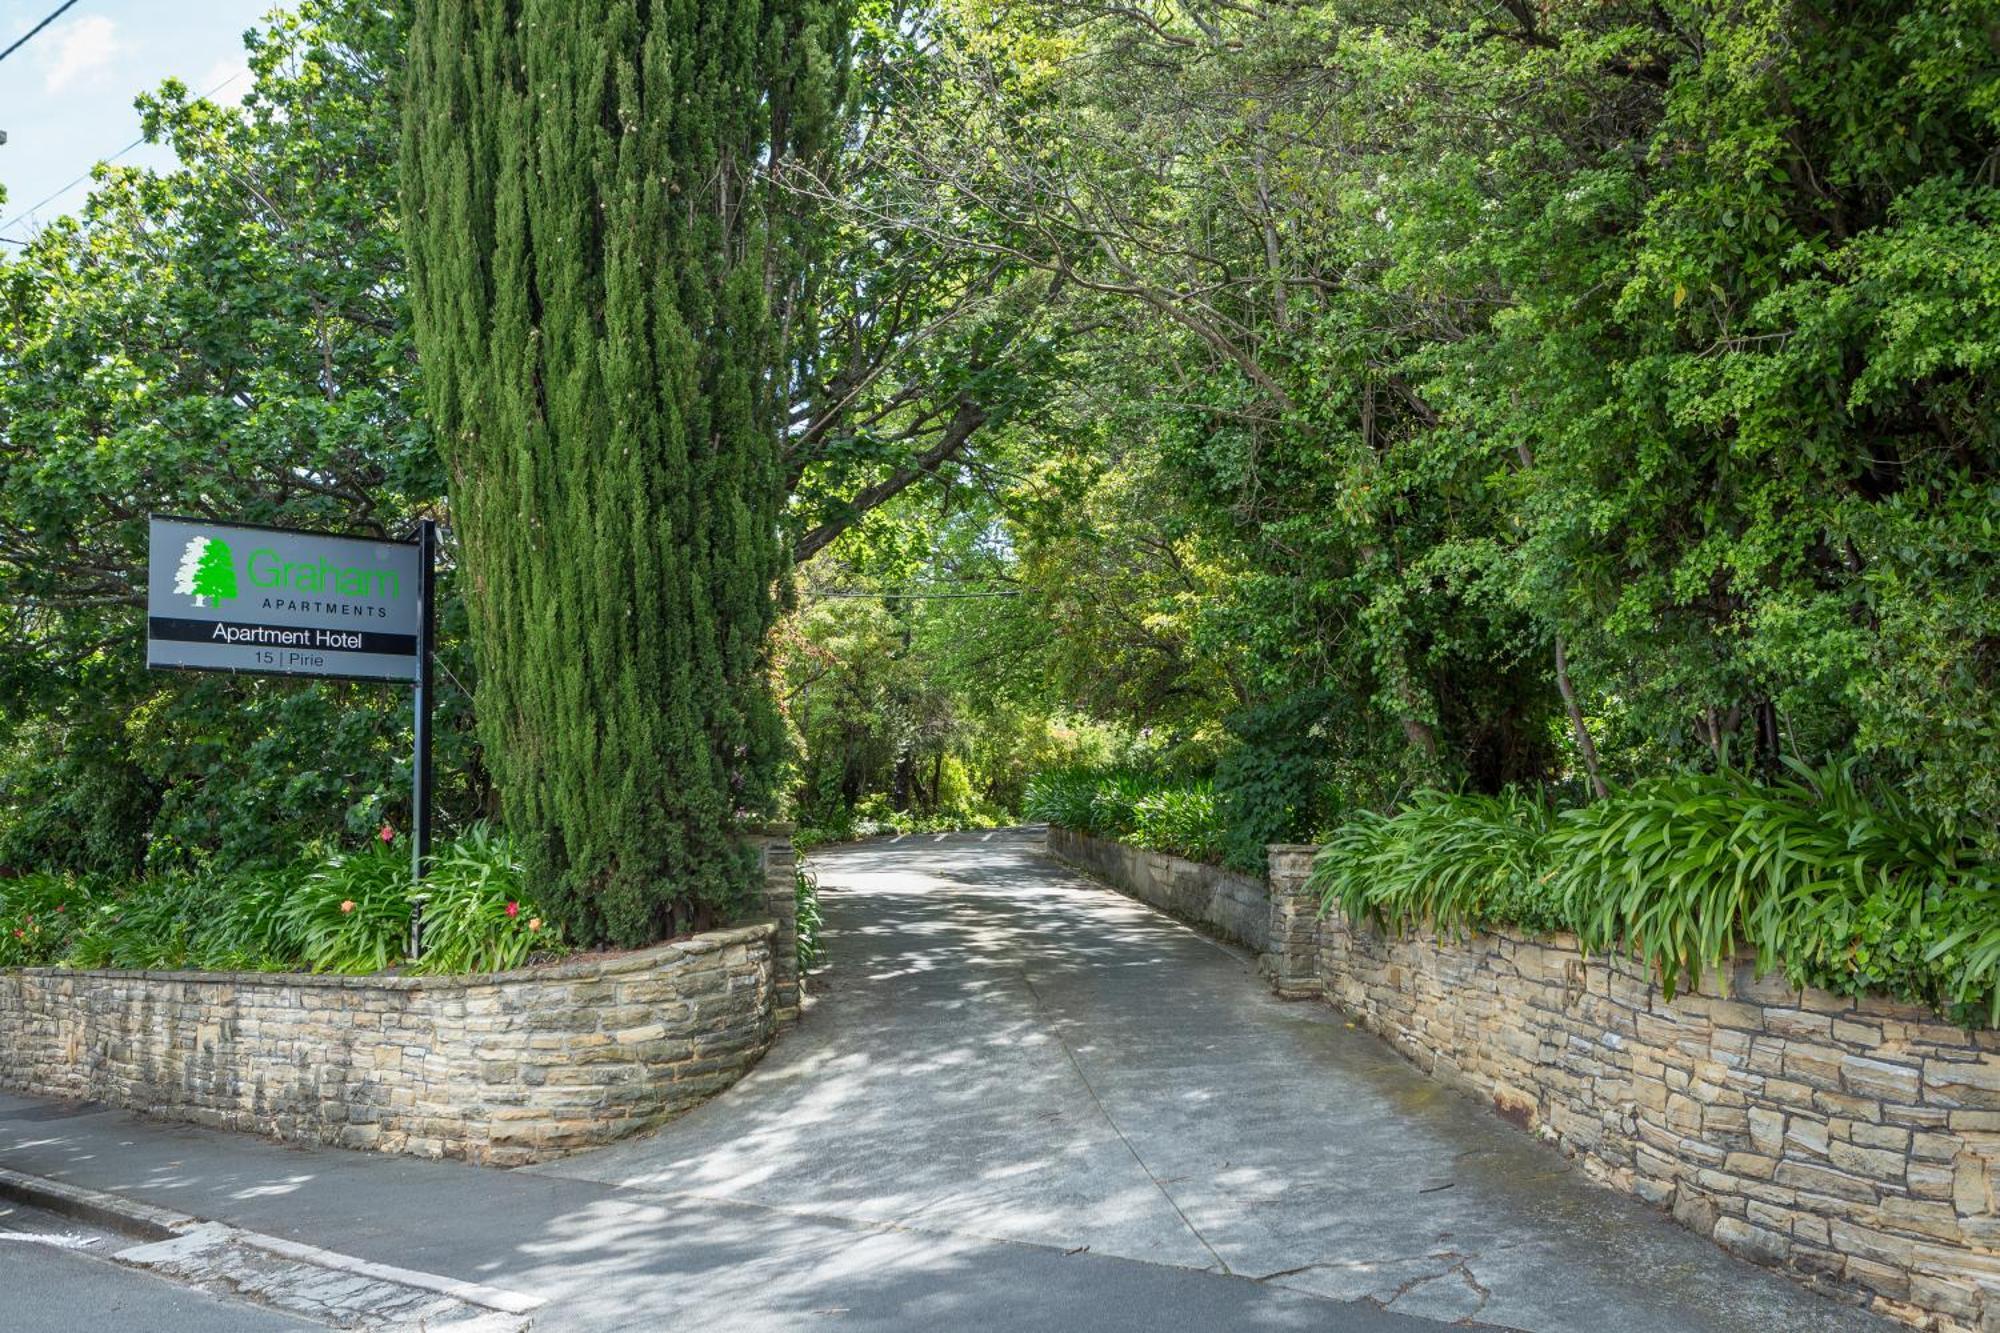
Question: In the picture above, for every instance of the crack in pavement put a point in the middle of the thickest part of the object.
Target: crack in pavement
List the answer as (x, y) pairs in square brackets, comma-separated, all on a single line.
[(1054, 1027), (1460, 1267)]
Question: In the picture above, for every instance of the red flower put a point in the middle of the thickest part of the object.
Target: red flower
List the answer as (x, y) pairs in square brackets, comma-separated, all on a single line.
[(513, 909), (387, 834)]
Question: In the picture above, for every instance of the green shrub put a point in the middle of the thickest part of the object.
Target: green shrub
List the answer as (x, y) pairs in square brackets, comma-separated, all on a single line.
[(40, 915), (343, 912), (1839, 887), (1163, 814), (874, 818), (476, 917), (256, 932), (1179, 820), (1455, 862), (1966, 959), (806, 895), (1114, 803), (1844, 889), (1271, 784), (351, 913), (1062, 796), (152, 924), (837, 826)]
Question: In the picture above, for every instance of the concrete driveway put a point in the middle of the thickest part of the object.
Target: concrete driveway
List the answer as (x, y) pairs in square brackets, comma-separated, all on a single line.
[(1006, 1051)]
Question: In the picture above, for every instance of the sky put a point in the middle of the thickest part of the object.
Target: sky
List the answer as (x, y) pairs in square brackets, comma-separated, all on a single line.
[(66, 97)]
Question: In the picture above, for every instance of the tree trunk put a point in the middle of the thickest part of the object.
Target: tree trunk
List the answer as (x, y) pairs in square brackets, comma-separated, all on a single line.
[(1585, 746)]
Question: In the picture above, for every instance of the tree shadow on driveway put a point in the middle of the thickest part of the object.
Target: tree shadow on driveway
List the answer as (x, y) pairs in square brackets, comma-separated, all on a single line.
[(1004, 1049)]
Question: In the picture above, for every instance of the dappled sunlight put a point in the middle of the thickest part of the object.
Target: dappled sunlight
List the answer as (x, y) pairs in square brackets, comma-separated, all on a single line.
[(773, 1268), (273, 1189), (1002, 1048), (1000, 1051)]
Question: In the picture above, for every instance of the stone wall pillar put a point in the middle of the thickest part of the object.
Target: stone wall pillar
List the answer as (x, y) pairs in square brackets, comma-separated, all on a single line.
[(1292, 963), (779, 863)]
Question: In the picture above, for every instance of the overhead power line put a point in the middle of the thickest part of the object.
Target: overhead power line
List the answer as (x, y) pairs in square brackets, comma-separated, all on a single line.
[(31, 209), (44, 202), (22, 40), (908, 596)]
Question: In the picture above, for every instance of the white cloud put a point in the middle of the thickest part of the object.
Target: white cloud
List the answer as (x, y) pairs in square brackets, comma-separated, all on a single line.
[(78, 51)]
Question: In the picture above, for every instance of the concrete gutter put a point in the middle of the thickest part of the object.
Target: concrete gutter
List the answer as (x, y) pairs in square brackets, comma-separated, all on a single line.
[(287, 1274), (140, 1220)]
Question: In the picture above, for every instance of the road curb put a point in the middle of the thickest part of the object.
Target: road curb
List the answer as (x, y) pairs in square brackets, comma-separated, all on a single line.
[(186, 1247), (140, 1220)]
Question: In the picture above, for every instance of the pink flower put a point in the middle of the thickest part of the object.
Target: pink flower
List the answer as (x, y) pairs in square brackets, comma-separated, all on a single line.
[(387, 834), (62, 907), (347, 905), (513, 909)]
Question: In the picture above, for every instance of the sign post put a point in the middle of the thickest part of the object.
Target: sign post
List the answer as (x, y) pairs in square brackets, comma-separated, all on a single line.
[(279, 602), (420, 761)]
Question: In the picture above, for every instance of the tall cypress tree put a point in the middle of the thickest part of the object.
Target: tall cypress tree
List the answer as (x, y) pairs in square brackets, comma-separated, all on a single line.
[(594, 254)]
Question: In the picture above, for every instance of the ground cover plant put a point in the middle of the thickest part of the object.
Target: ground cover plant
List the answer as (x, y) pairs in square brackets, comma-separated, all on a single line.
[(1179, 816), (873, 818), (343, 911), (1837, 884), (806, 898)]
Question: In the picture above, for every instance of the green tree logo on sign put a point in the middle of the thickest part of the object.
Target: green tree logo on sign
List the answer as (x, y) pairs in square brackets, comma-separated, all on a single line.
[(207, 572)]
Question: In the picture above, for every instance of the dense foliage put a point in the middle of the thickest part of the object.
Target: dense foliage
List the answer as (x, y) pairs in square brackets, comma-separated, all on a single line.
[(1147, 809), (231, 338), (593, 252), (1840, 887), (1316, 406), (335, 912), (224, 339), (1546, 395), (909, 703)]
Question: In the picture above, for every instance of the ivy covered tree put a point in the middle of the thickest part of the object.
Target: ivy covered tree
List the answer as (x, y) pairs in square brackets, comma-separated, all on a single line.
[(600, 266)]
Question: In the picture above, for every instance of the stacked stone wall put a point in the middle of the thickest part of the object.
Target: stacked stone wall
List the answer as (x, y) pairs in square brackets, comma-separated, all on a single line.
[(778, 864), (1855, 1141), (1225, 902), (504, 1068)]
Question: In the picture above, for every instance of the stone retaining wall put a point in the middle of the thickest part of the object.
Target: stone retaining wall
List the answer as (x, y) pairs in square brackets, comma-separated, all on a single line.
[(1857, 1141), (506, 1068), (1233, 905), (779, 861)]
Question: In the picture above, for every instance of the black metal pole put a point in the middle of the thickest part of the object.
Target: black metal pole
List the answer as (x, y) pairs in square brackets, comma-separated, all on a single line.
[(420, 781)]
